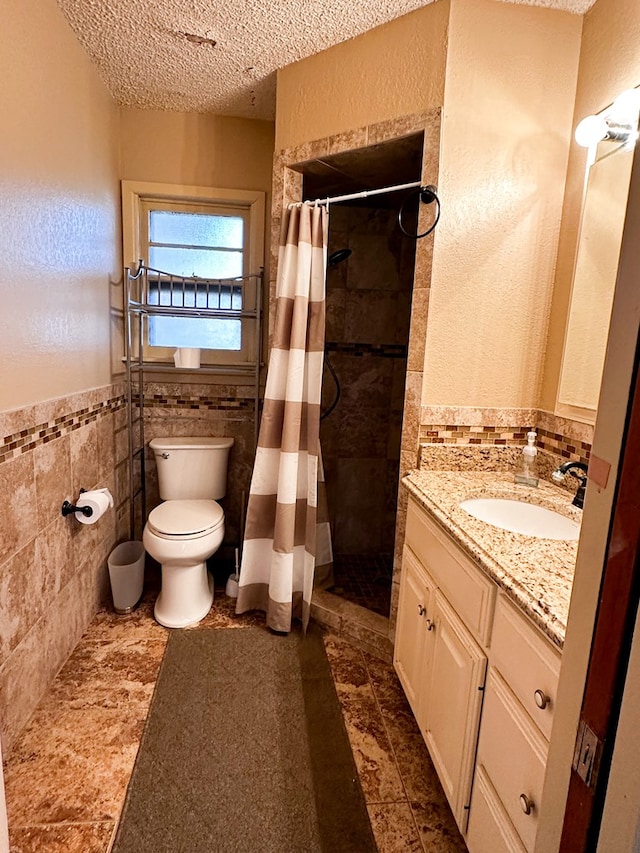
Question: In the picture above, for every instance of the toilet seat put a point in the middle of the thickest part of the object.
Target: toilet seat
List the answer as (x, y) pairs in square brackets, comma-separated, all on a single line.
[(184, 519)]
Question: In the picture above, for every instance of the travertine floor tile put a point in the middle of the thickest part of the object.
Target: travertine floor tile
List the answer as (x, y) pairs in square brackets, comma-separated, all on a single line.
[(62, 838), (372, 751), (394, 828), (437, 828)]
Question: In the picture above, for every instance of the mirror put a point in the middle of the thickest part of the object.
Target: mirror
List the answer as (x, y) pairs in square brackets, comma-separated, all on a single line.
[(596, 264)]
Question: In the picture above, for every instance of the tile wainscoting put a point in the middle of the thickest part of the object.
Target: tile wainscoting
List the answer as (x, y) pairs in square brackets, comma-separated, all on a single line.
[(53, 571)]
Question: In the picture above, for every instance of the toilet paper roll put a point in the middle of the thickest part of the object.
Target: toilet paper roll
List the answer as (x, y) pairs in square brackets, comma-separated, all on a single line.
[(187, 357), (99, 500)]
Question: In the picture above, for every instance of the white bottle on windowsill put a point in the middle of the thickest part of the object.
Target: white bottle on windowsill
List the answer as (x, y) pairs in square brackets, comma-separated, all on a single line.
[(527, 470)]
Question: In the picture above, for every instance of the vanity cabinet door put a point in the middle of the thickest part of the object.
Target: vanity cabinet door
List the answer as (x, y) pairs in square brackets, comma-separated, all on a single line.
[(450, 708), (410, 655)]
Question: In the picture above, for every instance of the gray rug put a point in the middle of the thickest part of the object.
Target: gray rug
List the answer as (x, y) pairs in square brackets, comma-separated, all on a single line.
[(244, 749)]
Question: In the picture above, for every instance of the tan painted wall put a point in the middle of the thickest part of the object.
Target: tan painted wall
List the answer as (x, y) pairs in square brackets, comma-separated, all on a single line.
[(394, 70), (196, 150), (509, 93), (59, 221), (609, 63)]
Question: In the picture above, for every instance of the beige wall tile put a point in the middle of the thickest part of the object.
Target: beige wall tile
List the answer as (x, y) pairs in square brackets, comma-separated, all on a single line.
[(52, 464), (18, 518)]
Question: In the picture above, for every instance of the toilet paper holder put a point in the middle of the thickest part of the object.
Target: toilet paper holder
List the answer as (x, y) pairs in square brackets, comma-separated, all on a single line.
[(68, 508)]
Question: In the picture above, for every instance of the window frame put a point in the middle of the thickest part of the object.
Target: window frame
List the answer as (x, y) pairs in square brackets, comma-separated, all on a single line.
[(139, 196)]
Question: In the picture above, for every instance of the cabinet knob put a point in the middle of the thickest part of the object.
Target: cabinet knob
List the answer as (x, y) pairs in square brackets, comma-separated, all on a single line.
[(421, 610), (430, 625), (526, 804), (541, 699)]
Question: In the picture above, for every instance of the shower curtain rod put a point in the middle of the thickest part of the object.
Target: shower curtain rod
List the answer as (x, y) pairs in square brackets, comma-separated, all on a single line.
[(363, 194)]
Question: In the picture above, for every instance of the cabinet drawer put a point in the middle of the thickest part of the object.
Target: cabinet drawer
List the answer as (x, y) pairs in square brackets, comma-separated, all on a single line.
[(513, 754), (467, 589), (527, 661), (490, 830)]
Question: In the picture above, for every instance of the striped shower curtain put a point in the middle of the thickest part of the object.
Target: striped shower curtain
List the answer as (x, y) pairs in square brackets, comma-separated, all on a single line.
[(287, 538)]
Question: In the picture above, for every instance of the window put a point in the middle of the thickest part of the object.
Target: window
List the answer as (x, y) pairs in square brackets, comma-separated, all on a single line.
[(216, 234)]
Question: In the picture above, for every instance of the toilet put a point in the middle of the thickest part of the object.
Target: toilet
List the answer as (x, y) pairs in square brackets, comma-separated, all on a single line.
[(184, 530)]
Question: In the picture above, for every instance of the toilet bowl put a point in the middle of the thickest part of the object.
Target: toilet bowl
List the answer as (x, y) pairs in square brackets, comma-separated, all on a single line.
[(181, 536), (188, 527)]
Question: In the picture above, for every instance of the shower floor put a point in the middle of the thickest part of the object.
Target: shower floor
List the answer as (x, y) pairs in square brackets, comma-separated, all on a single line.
[(364, 580)]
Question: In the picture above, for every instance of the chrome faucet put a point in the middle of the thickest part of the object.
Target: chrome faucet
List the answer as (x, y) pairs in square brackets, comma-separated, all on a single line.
[(569, 468)]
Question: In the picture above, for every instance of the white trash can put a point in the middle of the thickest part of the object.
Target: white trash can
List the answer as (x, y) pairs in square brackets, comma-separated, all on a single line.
[(126, 573)]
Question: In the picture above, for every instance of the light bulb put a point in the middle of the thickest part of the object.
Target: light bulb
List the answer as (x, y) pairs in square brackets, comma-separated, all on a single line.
[(591, 130), (626, 106)]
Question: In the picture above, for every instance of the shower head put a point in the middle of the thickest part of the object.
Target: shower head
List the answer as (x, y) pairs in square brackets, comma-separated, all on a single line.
[(337, 257)]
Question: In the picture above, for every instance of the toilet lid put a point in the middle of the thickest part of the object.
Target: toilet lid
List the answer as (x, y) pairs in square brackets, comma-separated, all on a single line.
[(186, 518)]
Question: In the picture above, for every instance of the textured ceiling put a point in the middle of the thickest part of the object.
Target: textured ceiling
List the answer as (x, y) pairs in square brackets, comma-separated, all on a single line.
[(221, 56)]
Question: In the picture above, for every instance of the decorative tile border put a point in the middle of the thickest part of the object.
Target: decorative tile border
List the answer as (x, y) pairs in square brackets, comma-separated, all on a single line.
[(196, 403), (28, 439), (468, 434), (358, 350), (561, 445), (554, 441)]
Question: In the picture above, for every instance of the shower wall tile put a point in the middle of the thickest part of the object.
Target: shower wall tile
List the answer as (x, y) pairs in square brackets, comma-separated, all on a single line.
[(396, 127), (347, 141), (363, 434), (366, 381), (411, 422), (53, 572), (375, 262), (418, 335), (370, 316), (335, 314), (360, 483)]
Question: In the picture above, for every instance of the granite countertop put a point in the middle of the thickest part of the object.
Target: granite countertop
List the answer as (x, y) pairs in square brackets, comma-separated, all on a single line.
[(537, 574)]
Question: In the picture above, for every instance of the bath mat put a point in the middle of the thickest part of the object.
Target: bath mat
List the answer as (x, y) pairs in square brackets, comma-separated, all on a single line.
[(244, 750)]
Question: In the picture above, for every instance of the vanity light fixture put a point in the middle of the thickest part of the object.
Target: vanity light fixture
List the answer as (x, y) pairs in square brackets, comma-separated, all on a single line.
[(618, 123)]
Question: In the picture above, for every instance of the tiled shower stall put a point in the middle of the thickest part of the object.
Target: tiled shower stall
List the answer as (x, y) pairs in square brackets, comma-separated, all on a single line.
[(367, 332)]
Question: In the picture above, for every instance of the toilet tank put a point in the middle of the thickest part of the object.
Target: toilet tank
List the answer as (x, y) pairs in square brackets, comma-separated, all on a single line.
[(191, 468)]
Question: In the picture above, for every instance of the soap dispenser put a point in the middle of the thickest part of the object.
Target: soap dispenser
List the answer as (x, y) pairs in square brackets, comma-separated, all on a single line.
[(526, 472)]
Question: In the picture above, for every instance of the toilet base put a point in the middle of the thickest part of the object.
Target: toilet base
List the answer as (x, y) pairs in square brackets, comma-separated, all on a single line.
[(186, 595)]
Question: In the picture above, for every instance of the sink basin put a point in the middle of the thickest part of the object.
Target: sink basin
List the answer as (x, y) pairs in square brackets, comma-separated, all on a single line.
[(521, 517)]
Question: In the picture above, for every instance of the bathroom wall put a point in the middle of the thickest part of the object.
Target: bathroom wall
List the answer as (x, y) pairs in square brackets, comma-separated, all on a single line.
[(60, 225), (393, 70), (190, 149), (367, 332), (195, 149), (59, 257), (505, 140), (604, 72)]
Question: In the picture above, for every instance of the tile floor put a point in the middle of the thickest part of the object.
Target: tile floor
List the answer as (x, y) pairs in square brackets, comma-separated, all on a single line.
[(67, 775), (364, 580)]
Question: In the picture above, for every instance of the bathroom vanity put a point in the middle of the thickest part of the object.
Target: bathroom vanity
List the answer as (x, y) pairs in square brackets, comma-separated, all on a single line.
[(480, 628)]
